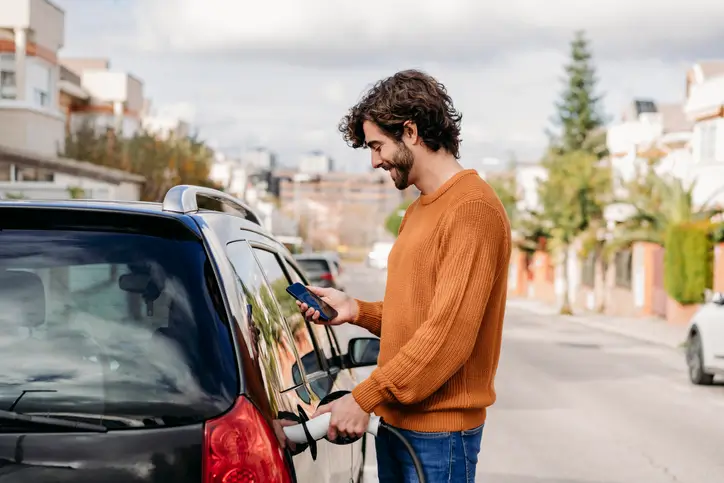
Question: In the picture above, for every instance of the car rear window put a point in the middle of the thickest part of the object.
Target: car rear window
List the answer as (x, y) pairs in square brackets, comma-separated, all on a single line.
[(313, 266), (125, 329)]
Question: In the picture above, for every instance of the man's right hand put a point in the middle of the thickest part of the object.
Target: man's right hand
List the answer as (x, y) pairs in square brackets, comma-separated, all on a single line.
[(345, 306)]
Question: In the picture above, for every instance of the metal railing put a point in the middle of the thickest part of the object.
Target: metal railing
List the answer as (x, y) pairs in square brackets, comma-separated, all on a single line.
[(183, 199)]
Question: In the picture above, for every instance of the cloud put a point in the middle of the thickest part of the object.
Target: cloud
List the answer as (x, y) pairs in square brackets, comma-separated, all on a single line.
[(249, 72), (329, 32)]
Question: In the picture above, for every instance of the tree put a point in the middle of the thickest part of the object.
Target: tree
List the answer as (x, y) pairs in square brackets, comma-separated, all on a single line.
[(394, 219), (573, 197), (578, 112), (658, 202), (506, 187), (578, 183), (163, 162)]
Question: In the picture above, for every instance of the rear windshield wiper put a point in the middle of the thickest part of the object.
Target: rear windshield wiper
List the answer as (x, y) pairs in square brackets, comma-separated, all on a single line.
[(47, 421)]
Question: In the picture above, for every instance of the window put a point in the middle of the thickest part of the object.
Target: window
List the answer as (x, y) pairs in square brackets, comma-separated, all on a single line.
[(39, 82), (304, 341), (7, 84), (120, 329), (324, 334), (708, 141), (275, 345), (5, 171), (623, 268), (33, 174)]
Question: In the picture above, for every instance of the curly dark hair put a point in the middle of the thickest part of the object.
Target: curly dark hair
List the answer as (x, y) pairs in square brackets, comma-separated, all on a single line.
[(409, 95)]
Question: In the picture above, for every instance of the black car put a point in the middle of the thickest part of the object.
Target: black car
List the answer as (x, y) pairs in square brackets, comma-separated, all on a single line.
[(149, 342)]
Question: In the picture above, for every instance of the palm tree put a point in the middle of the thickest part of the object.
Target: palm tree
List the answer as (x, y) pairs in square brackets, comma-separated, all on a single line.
[(658, 202)]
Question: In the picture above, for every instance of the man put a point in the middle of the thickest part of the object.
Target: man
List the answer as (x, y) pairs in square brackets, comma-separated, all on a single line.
[(441, 320)]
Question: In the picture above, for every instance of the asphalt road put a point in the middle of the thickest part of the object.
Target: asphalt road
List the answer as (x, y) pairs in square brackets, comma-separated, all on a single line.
[(578, 405)]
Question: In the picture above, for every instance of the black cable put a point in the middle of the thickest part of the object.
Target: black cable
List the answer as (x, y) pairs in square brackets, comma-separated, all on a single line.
[(410, 450)]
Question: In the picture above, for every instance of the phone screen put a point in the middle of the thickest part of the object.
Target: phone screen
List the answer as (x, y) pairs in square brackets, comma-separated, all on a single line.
[(300, 292)]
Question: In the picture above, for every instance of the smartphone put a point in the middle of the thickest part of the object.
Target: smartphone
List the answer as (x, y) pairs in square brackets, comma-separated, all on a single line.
[(301, 293)]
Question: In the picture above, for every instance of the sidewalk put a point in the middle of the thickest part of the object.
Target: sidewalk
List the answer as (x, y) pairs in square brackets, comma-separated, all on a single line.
[(647, 329)]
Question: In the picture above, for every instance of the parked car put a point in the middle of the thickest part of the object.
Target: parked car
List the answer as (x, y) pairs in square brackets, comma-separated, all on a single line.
[(377, 257), (322, 268), (705, 343), (147, 342)]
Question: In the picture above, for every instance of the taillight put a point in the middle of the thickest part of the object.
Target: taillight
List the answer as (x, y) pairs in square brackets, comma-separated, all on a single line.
[(241, 447), (327, 276)]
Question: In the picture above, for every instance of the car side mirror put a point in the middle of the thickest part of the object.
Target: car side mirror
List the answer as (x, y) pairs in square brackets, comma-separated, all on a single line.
[(363, 351)]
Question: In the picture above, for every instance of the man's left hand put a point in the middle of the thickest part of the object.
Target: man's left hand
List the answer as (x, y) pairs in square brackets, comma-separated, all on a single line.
[(348, 418)]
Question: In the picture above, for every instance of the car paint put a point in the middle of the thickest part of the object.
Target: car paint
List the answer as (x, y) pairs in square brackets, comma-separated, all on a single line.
[(708, 322), (175, 453)]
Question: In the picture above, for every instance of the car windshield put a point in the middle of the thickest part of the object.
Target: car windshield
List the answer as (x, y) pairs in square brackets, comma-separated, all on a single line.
[(125, 329), (313, 265)]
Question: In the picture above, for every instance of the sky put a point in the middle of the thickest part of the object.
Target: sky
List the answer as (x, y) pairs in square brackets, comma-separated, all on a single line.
[(282, 73)]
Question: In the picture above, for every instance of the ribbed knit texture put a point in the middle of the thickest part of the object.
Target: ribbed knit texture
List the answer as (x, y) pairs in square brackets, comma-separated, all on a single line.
[(441, 320)]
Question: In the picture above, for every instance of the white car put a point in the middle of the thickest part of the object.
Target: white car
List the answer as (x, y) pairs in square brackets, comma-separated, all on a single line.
[(377, 258), (705, 343)]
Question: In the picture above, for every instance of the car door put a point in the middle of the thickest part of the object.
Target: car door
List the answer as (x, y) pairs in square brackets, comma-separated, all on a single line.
[(715, 324), (273, 355), (315, 353), (344, 378)]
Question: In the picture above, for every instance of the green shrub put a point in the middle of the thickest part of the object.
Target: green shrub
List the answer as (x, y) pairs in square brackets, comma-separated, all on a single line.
[(394, 219), (688, 262), (718, 233)]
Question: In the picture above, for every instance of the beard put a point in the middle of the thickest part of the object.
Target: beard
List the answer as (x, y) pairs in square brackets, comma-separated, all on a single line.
[(402, 162)]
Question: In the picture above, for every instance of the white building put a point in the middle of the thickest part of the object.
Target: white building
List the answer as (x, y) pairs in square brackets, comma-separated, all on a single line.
[(31, 34), (230, 174), (527, 178), (259, 159), (648, 130), (316, 162), (705, 108), (116, 97), (32, 117)]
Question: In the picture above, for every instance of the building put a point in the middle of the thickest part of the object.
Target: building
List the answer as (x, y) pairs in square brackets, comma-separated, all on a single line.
[(116, 98), (28, 175), (316, 162), (31, 34), (648, 131), (346, 208), (705, 109), (37, 95), (259, 160)]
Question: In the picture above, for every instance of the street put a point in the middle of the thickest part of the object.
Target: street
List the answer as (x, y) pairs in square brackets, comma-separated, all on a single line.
[(581, 405)]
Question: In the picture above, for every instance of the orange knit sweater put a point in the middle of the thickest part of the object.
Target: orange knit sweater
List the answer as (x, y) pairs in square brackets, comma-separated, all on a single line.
[(441, 321)]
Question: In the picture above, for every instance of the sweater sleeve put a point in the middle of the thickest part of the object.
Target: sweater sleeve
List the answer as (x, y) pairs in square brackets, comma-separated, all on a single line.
[(472, 247), (369, 316)]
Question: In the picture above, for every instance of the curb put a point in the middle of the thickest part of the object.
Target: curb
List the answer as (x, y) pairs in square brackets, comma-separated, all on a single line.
[(541, 308)]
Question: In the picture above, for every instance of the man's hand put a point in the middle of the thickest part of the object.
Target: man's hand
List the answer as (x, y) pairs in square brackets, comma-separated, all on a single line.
[(345, 306), (278, 425), (348, 419)]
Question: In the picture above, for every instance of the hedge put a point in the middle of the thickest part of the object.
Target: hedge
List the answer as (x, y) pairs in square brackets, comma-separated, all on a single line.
[(688, 262)]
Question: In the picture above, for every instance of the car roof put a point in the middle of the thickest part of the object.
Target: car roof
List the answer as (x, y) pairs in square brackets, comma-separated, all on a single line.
[(129, 207)]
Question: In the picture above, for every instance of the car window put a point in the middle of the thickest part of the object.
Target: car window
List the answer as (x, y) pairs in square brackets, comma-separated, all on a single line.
[(324, 334), (126, 328), (279, 282), (313, 266), (305, 342), (275, 343)]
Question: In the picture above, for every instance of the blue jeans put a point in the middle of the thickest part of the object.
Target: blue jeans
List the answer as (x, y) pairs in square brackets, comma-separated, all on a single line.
[(445, 457)]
